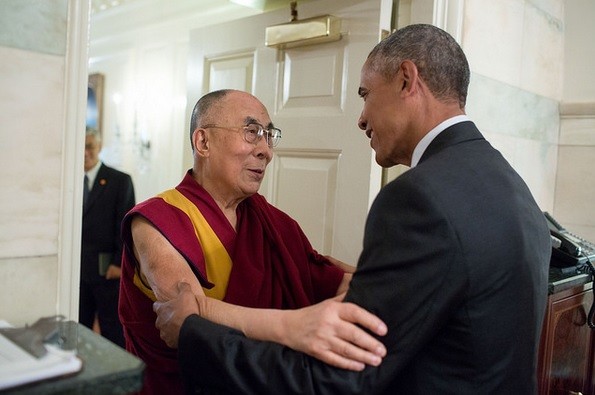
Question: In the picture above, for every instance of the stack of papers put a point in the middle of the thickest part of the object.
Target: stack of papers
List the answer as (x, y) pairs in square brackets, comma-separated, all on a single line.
[(18, 367)]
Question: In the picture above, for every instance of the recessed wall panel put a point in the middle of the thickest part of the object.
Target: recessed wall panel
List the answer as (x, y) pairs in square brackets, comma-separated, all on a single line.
[(233, 71), (311, 80), (305, 186)]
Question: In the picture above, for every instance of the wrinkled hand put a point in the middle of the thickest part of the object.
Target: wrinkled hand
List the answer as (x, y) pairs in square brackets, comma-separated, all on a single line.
[(171, 314), (328, 331), (113, 272)]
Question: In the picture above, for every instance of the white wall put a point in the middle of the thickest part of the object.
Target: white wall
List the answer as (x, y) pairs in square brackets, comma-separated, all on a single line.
[(144, 111), (531, 91), (41, 112), (145, 88), (575, 179), (514, 48)]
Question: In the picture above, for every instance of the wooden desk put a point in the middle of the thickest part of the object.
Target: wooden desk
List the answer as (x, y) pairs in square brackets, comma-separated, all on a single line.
[(567, 348), (107, 368)]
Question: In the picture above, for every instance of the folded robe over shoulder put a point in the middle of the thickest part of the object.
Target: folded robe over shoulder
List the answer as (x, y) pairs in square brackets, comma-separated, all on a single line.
[(267, 263)]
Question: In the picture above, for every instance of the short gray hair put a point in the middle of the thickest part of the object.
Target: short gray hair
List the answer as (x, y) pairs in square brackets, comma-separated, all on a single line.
[(91, 131), (440, 60), (203, 107)]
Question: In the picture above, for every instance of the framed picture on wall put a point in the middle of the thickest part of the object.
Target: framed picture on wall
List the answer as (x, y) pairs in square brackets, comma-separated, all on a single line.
[(95, 102)]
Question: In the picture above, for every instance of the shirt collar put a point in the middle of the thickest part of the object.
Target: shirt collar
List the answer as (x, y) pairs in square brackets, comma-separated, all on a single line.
[(420, 148), (92, 174)]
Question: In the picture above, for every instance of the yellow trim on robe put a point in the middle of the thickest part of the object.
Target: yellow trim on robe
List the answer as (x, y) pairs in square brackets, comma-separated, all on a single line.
[(140, 284), (217, 260)]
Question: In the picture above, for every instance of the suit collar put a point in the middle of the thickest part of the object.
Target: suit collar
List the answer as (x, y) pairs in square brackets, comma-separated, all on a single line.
[(455, 134), (423, 144)]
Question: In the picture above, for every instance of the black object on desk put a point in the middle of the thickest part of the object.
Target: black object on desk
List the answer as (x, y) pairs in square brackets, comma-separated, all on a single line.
[(107, 368), (561, 279)]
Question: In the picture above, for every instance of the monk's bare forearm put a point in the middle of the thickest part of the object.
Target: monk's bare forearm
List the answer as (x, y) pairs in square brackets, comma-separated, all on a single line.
[(329, 331), (259, 324)]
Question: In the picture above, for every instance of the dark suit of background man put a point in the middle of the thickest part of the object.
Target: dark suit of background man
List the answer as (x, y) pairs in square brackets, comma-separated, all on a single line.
[(455, 255), (110, 197)]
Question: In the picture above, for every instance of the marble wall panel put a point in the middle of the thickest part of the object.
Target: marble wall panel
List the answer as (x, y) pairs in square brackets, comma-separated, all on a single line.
[(523, 126), (553, 8), (575, 182), (28, 288), (31, 124), (501, 108), (543, 52), (518, 42), (492, 38), (579, 56), (575, 190), (34, 25), (535, 161)]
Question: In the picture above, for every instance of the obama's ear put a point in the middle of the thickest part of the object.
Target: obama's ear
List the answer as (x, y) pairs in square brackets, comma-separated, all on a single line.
[(410, 75)]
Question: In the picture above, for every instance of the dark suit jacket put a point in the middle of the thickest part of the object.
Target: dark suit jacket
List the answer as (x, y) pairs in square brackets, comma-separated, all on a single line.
[(455, 261), (110, 199)]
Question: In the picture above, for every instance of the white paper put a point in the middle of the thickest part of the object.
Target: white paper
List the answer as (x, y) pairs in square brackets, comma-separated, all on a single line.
[(18, 367)]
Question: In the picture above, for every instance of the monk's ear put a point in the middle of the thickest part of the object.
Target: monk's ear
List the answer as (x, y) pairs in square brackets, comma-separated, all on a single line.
[(200, 141)]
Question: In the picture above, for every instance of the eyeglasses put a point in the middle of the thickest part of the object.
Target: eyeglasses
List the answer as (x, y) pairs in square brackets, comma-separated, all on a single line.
[(253, 132)]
